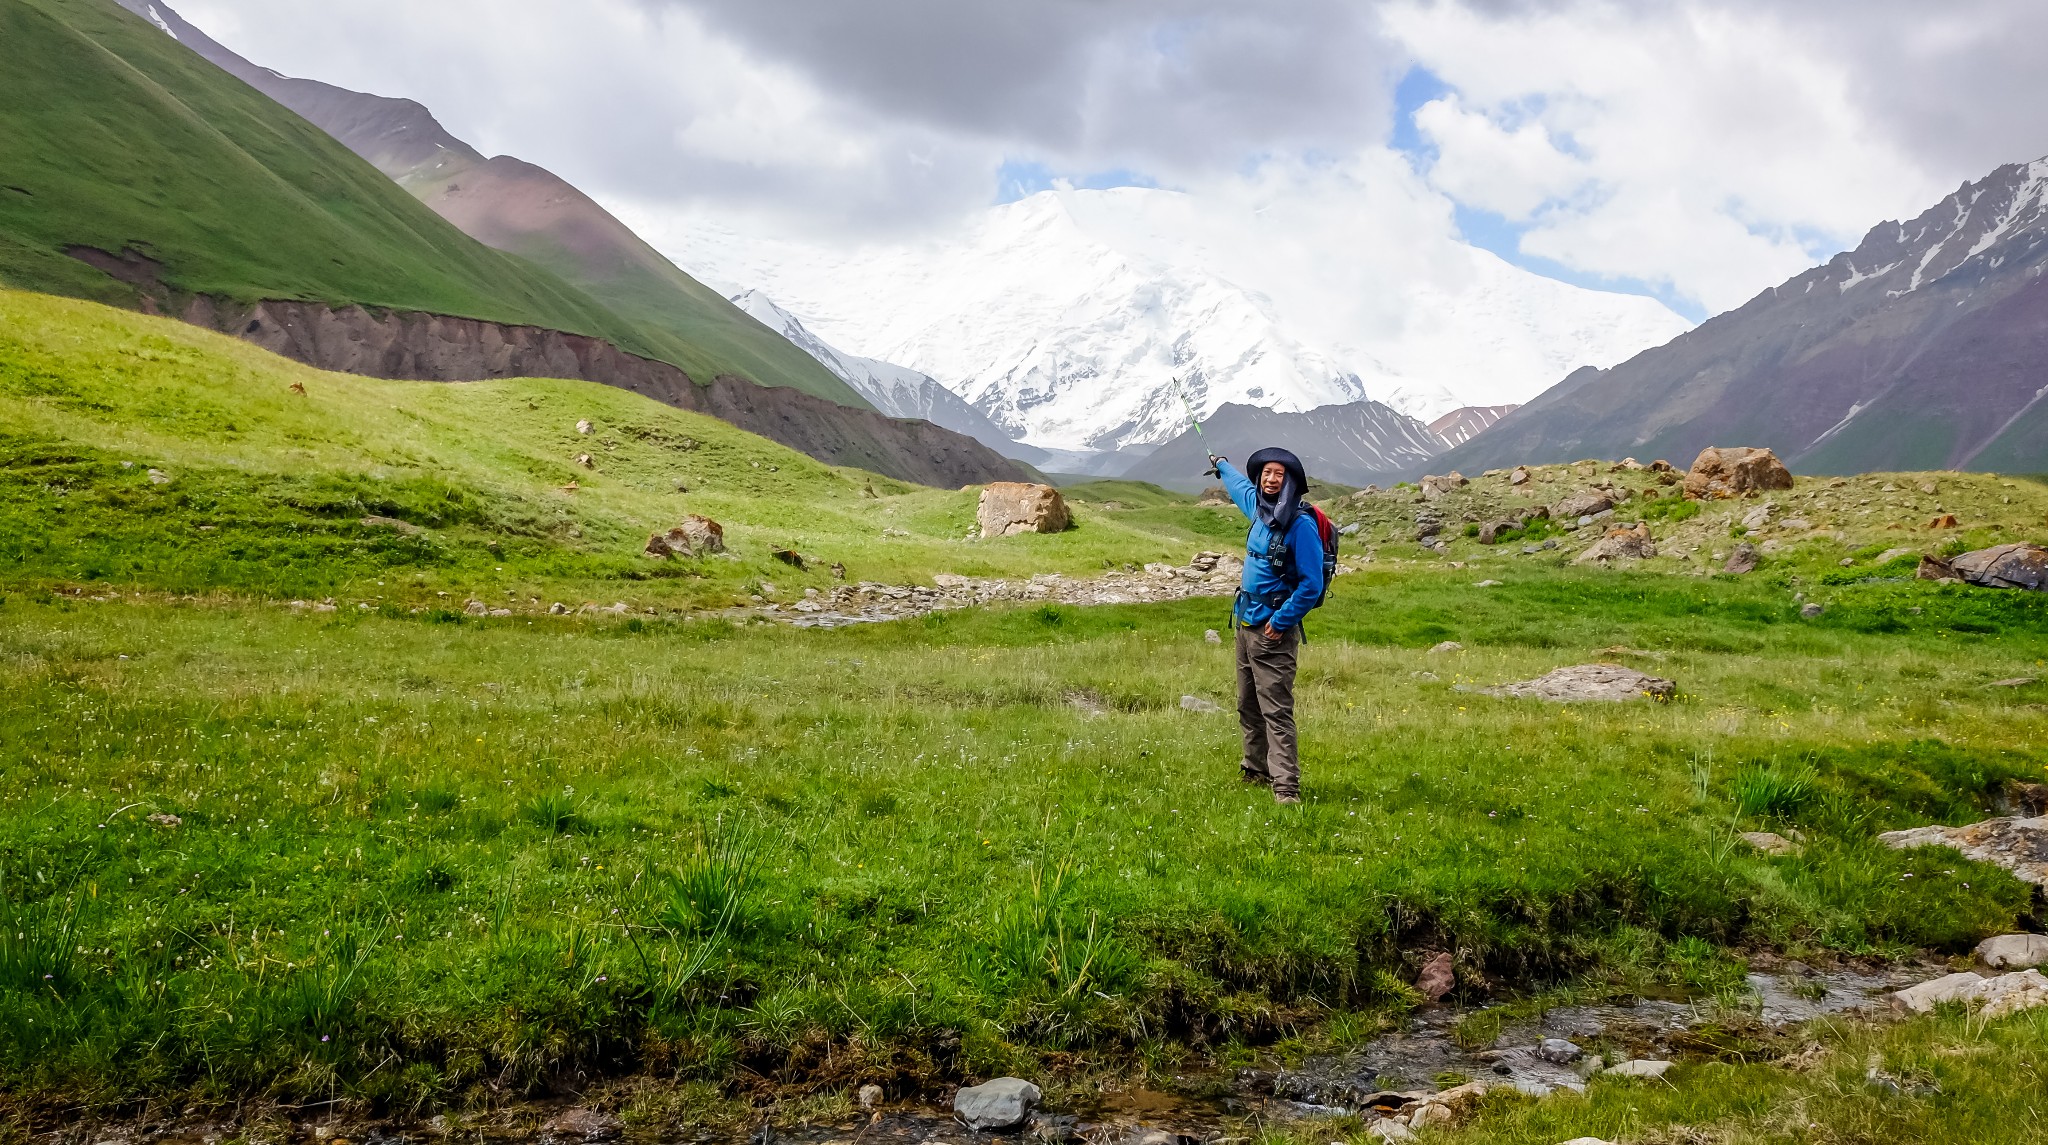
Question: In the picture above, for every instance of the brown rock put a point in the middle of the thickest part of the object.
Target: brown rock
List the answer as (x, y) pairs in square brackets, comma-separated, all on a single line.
[(695, 537), (1489, 533), (790, 557), (2005, 566), (1662, 467), (1520, 476), (1735, 472), (579, 1125), (1934, 568), (1012, 507), (1436, 978), (1743, 560), (2019, 845), (1620, 544), (1945, 521), (1437, 487)]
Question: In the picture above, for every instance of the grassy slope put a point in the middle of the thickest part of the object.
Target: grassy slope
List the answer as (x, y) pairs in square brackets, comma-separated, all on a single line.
[(115, 136), (269, 486)]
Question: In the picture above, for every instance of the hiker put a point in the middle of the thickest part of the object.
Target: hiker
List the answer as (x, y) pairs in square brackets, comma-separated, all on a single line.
[(1284, 577)]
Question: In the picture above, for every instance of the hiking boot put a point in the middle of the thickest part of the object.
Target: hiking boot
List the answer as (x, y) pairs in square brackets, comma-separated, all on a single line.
[(1285, 799), (1257, 777)]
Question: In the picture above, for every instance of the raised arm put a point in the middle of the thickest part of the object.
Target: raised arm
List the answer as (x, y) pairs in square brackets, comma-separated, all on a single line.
[(1240, 489)]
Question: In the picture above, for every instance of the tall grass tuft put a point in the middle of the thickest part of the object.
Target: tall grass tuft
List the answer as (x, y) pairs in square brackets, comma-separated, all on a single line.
[(38, 942), (1774, 788)]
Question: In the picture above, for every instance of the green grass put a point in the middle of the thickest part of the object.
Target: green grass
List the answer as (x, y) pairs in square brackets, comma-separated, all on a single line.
[(115, 136), (411, 838), (268, 488)]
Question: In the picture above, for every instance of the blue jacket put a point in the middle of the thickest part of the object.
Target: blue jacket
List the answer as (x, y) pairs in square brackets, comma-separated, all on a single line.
[(1258, 583)]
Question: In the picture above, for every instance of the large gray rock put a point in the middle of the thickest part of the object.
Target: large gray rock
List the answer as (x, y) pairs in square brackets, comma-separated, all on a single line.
[(1743, 560), (2006, 952), (1589, 683), (1640, 1067), (2004, 566), (1998, 996), (1620, 544), (1586, 504), (1012, 507), (2018, 845), (1004, 1103)]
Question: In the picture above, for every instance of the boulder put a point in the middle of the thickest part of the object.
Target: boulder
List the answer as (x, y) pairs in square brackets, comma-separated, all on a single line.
[(1520, 476), (1387, 1129), (1448, 646), (1489, 533), (2004, 566), (695, 537), (1437, 978), (1009, 508), (1620, 544), (1435, 487), (1586, 504), (1743, 560), (2018, 845), (2006, 952), (1004, 1103), (1589, 683), (1812, 611), (1640, 1067), (870, 1096), (1721, 473), (1934, 568), (1557, 1051), (2000, 995), (1945, 521)]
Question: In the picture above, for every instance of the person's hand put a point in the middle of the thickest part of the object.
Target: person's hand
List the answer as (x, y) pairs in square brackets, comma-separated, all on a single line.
[(1269, 633), (1215, 461)]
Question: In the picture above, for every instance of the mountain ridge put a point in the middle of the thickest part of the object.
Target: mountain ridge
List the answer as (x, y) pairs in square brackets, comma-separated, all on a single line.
[(1355, 443), (1920, 349)]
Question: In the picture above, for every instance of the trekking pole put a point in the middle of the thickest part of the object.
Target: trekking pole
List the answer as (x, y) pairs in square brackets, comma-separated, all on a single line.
[(1197, 422)]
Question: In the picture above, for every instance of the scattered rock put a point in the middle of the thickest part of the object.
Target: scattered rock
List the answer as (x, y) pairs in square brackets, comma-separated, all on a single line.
[(1929, 488), (2015, 682), (1759, 517), (1889, 555), (695, 537), (159, 477), (1770, 842), (1447, 646), (1009, 508), (1721, 473), (1436, 487), (1388, 1129), (870, 1096), (1557, 1051), (584, 427), (1520, 476), (1212, 636), (2000, 995), (1945, 521), (406, 528), (1586, 504), (1639, 1067), (1000, 1104), (1795, 524), (166, 819), (1934, 568), (1620, 544), (1743, 560), (790, 557), (2004, 566), (1486, 584), (1811, 611), (1197, 704), (2006, 952), (476, 608), (2018, 845), (579, 1125), (586, 461), (1589, 683), (558, 609), (1437, 977)]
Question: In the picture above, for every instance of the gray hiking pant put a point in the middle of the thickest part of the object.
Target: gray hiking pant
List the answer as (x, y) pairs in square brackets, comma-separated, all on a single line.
[(1265, 706)]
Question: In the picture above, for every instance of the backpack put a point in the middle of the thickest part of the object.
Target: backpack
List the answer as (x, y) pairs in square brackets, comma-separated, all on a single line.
[(1281, 561)]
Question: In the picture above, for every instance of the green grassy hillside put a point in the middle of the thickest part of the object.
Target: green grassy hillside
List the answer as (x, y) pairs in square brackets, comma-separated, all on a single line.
[(267, 488), (115, 136)]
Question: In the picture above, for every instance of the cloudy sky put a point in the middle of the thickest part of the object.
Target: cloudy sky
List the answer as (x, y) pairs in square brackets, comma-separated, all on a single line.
[(1695, 151)]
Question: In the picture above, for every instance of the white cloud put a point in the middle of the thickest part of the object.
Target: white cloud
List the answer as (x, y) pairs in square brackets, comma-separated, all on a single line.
[(1714, 151)]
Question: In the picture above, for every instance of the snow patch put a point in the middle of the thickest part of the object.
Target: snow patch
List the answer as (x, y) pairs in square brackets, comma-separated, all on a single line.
[(162, 26)]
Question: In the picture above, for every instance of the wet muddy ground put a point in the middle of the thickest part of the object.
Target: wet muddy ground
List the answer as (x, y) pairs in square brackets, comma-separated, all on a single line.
[(1536, 1051)]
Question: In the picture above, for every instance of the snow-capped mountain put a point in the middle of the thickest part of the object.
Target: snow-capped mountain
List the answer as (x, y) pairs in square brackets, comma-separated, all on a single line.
[(1353, 444), (1923, 348), (894, 390), (1462, 425), (1065, 317)]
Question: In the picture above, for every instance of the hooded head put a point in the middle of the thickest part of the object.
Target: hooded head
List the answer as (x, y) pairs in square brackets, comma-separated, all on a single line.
[(1278, 512)]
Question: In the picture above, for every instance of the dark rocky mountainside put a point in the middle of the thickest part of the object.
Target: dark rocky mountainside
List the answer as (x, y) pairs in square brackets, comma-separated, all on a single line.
[(1351, 444), (435, 347), (1924, 348), (1466, 422)]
